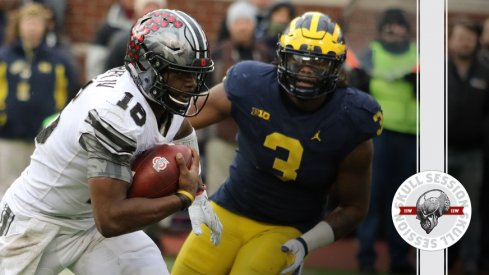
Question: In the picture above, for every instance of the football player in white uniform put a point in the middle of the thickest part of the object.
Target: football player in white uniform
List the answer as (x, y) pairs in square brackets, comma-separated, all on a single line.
[(69, 209)]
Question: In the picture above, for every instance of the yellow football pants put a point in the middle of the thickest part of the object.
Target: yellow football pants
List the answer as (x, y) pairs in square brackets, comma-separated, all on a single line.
[(247, 247)]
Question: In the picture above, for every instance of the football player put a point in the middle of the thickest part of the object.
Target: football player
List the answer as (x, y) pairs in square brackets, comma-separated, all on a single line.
[(69, 208), (303, 135)]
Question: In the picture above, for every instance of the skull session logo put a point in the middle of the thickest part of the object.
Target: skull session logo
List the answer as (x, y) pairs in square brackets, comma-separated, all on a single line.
[(428, 210), (431, 210)]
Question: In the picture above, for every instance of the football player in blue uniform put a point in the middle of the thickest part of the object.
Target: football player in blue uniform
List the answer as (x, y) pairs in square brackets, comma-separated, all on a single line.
[(301, 137)]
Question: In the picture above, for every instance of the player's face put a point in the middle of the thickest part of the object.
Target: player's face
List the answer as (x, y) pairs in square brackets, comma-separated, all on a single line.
[(307, 69), (182, 83)]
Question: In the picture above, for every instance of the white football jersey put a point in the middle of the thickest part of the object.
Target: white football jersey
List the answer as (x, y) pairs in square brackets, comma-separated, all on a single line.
[(54, 187)]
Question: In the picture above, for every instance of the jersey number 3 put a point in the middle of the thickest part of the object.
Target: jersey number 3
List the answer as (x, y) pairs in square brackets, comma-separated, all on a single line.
[(289, 166)]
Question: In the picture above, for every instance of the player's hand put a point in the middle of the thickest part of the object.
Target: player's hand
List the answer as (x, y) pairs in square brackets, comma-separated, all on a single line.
[(189, 178), (201, 212), (299, 251)]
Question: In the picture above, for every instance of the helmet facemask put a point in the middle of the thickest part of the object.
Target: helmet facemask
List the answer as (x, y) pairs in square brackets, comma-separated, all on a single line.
[(169, 42), (308, 76), (159, 90)]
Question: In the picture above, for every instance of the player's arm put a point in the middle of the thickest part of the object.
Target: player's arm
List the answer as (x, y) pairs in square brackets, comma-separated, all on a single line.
[(187, 136), (200, 211), (353, 191), (109, 175), (115, 214), (217, 108)]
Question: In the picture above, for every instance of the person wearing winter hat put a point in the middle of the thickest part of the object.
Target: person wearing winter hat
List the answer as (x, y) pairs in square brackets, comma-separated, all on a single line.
[(240, 10), (278, 17)]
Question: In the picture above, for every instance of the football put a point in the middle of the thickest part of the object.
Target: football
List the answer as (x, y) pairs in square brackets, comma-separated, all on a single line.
[(155, 171)]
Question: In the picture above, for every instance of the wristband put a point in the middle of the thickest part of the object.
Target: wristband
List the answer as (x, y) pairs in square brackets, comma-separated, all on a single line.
[(187, 194), (301, 240), (320, 235), (184, 200)]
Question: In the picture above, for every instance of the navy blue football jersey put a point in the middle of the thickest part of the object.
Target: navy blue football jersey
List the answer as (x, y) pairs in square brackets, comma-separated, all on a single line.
[(287, 159)]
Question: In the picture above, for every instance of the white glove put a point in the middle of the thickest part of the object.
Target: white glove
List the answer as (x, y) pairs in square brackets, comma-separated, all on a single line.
[(299, 249), (201, 212)]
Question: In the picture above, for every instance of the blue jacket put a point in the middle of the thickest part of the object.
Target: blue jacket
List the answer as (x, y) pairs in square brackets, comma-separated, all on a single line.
[(32, 88)]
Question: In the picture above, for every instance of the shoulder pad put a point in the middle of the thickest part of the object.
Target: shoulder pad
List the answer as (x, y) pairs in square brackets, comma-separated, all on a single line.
[(240, 71), (365, 112), (248, 76)]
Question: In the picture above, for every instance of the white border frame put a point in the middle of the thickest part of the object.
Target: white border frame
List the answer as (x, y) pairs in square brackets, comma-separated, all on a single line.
[(432, 138)]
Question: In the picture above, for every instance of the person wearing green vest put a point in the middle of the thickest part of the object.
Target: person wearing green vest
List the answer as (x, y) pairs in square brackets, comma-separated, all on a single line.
[(390, 65)]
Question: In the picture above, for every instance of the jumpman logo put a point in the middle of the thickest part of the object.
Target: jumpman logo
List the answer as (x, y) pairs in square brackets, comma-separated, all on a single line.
[(316, 136)]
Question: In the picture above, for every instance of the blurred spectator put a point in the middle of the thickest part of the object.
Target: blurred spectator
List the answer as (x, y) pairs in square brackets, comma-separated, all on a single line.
[(277, 19), (261, 9), (118, 43), (58, 7), (35, 82), (119, 18), (389, 63), (468, 92), (241, 45), (484, 44)]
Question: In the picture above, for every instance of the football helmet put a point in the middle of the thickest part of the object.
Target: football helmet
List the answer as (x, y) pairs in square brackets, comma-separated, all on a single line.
[(165, 40), (310, 52)]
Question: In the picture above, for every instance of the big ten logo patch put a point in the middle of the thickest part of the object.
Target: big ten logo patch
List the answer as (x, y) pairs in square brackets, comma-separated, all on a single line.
[(431, 210), (260, 113)]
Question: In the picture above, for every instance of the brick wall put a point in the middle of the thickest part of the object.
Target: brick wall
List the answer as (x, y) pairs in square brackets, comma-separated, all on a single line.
[(82, 18)]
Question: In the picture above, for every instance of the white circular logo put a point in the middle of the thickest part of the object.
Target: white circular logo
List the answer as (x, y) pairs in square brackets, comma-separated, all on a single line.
[(160, 163), (431, 210)]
